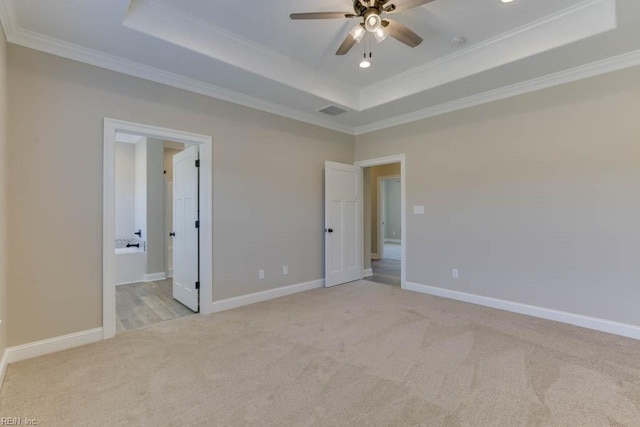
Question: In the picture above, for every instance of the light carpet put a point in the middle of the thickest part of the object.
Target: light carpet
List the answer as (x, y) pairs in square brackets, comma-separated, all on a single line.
[(361, 354)]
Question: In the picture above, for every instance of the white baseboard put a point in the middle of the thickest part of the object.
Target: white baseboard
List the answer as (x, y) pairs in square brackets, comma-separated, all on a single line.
[(602, 325), (128, 283), (154, 277), (3, 366), (150, 278), (52, 345), (392, 241), (228, 304), (368, 272), (375, 256)]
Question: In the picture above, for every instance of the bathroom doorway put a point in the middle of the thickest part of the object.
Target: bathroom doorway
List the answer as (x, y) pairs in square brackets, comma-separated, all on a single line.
[(144, 210), (143, 250)]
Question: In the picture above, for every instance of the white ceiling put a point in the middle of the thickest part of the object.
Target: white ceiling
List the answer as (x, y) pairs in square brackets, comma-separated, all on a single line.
[(251, 53)]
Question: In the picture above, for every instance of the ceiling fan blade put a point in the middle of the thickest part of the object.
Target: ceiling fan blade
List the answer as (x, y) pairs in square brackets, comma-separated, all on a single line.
[(402, 33), (346, 45), (321, 15), (394, 6)]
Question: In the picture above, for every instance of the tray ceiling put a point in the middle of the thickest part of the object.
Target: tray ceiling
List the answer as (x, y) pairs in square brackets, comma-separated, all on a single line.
[(254, 55)]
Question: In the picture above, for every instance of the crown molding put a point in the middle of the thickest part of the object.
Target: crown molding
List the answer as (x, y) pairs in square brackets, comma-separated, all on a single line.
[(7, 17), (586, 19), (615, 63), (82, 54), (173, 26)]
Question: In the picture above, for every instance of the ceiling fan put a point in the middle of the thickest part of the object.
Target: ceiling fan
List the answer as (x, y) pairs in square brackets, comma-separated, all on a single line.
[(372, 12)]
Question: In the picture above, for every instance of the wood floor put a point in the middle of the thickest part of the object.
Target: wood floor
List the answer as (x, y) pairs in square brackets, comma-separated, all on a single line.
[(142, 304), (386, 271)]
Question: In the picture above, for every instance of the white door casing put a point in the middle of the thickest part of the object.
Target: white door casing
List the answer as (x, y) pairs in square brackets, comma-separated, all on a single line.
[(343, 231), (186, 237)]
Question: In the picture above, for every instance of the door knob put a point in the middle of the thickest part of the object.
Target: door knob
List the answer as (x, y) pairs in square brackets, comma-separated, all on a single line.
[(328, 230), (172, 234)]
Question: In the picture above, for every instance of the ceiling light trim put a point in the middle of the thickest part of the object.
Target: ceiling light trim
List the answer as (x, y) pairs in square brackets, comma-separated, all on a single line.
[(172, 26), (588, 18), (594, 69)]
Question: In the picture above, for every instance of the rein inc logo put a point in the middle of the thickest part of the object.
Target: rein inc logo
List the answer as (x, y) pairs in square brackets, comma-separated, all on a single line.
[(18, 421)]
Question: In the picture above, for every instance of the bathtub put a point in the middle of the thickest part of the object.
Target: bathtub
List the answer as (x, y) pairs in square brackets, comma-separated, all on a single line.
[(131, 250), (131, 262)]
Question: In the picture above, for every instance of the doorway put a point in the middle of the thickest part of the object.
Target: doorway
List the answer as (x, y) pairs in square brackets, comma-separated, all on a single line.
[(145, 203), (347, 226), (384, 220), (159, 284)]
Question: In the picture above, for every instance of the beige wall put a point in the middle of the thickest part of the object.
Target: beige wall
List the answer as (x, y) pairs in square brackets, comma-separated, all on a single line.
[(267, 188), (536, 199), (3, 188)]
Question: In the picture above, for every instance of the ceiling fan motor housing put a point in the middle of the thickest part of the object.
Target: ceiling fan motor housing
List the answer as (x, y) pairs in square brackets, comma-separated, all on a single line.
[(359, 8), (372, 20)]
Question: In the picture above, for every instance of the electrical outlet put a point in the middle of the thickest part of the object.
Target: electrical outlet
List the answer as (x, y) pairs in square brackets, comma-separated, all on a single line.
[(455, 273), (260, 274), (285, 270)]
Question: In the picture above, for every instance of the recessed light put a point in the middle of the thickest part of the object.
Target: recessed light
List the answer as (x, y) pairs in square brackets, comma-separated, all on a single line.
[(365, 64), (506, 1)]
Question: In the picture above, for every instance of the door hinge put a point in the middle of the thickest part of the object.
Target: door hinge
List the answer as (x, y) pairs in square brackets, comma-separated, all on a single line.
[(197, 285), (197, 224), (197, 163)]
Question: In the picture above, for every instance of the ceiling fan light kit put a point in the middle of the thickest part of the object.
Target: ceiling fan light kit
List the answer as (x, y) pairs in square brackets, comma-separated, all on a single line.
[(380, 34), (371, 12), (358, 33)]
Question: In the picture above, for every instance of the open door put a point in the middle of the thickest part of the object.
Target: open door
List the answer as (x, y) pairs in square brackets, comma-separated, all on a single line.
[(185, 228), (343, 252)]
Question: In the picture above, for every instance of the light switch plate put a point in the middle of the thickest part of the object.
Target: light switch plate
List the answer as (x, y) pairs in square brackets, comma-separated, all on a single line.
[(418, 210)]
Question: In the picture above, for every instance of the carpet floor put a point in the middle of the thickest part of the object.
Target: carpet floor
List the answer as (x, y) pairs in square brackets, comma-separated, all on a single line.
[(361, 354)]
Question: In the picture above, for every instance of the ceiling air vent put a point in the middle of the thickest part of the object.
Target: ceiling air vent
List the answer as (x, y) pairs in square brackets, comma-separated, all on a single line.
[(332, 110)]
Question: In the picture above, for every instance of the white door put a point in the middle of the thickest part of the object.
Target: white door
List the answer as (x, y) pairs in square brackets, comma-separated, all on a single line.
[(185, 227), (343, 254)]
